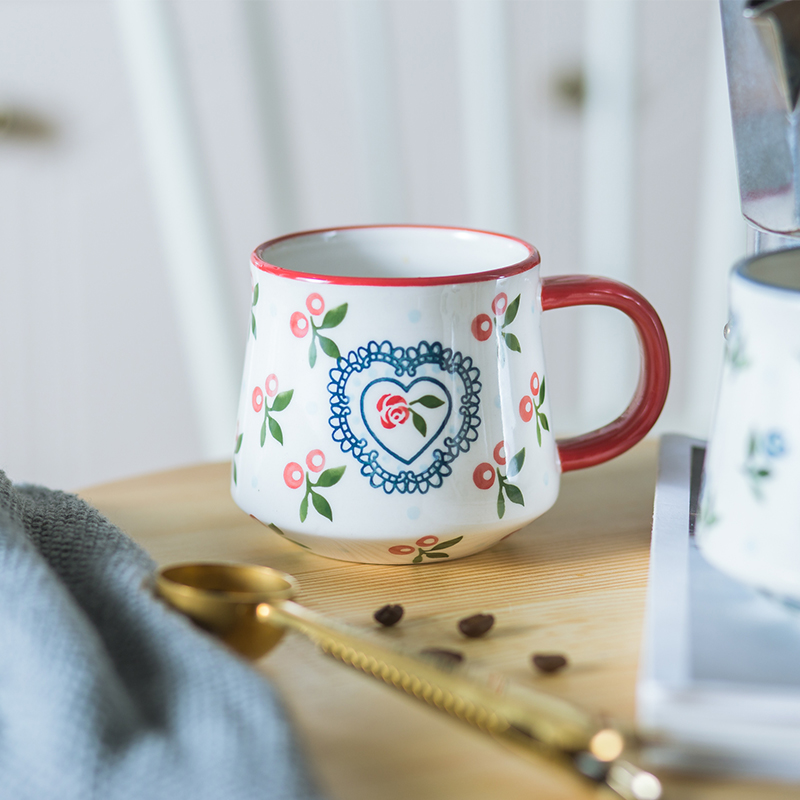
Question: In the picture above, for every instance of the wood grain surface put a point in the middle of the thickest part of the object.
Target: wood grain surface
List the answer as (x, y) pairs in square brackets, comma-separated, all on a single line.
[(572, 582)]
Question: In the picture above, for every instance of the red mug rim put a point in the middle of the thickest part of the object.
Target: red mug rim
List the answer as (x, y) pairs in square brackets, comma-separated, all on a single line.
[(531, 260)]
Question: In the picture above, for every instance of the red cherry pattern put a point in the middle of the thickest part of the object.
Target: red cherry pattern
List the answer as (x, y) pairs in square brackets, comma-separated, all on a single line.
[(279, 403), (315, 304), (315, 460), (483, 476), (435, 548), (258, 399), (500, 304), (298, 323), (482, 327), (531, 406), (293, 475), (504, 314)]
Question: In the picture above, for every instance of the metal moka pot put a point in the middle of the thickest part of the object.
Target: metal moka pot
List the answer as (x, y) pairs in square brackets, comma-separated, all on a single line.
[(749, 520), (762, 54)]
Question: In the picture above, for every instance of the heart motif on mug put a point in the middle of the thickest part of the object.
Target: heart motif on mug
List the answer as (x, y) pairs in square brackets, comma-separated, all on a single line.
[(405, 419), (405, 413)]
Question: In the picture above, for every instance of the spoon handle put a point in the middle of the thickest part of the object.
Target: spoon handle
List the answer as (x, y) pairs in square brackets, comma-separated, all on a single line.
[(528, 720)]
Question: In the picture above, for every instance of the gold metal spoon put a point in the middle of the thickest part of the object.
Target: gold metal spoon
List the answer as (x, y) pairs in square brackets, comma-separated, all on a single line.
[(250, 608)]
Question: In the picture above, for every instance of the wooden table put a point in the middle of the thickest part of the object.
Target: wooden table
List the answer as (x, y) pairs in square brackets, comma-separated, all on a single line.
[(572, 582)]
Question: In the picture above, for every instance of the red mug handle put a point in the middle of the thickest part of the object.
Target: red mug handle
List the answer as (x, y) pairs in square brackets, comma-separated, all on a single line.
[(648, 400)]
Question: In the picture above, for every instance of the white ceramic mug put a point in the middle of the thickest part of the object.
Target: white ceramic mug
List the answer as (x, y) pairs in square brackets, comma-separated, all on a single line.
[(749, 520), (394, 405)]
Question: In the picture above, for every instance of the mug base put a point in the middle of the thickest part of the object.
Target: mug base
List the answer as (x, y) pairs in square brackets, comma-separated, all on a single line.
[(425, 550)]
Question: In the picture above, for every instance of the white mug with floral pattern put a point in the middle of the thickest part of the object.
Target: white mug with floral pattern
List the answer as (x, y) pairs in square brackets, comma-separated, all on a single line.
[(749, 518), (394, 405)]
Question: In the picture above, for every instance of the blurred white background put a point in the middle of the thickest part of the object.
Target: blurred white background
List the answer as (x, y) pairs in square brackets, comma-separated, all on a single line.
[(144, 143)]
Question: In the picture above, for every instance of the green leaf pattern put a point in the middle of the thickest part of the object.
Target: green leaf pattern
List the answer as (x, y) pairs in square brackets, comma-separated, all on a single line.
[(505, 487), (531, 406), (511, 341), (541, 418), (508, 314), (252, 313), (327, 478), (427, 401), (261, 402), (236, 449), (427, 547), (332, 319)]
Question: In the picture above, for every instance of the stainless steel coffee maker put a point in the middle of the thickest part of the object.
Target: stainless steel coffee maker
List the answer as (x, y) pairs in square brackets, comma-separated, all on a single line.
[(762, 55)]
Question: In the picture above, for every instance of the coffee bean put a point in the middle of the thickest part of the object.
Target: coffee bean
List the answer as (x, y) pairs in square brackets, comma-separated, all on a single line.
[(389, 615), (476, 625), (449, 657), (549, 662)]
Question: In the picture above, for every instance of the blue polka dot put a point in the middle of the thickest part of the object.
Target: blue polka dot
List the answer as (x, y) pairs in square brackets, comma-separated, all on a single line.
[(413, 513), (254, 481), (273, 310), (414, 315), (497, 401), (311, 408), (546, 479)]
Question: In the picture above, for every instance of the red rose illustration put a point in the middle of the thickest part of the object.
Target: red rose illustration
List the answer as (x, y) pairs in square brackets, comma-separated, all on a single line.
[(271, 385), (500, 453), (401, 550), (535, 384), (393, 410), (427, 541)]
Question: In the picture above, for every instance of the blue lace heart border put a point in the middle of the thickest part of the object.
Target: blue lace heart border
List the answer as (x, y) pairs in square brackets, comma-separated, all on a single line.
[(405, 362)]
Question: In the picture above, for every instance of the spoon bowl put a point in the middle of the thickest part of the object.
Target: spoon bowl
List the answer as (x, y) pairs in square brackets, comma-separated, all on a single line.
[(224, 600)]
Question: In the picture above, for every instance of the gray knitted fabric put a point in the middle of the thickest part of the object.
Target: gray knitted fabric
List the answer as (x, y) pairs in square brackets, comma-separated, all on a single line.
[(104, 692)]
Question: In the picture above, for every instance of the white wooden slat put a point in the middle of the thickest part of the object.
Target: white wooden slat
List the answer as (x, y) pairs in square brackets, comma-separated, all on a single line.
[(484, 72), (374, 96), (184, 210), (608, 360), (281, 182), (722, 236)]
